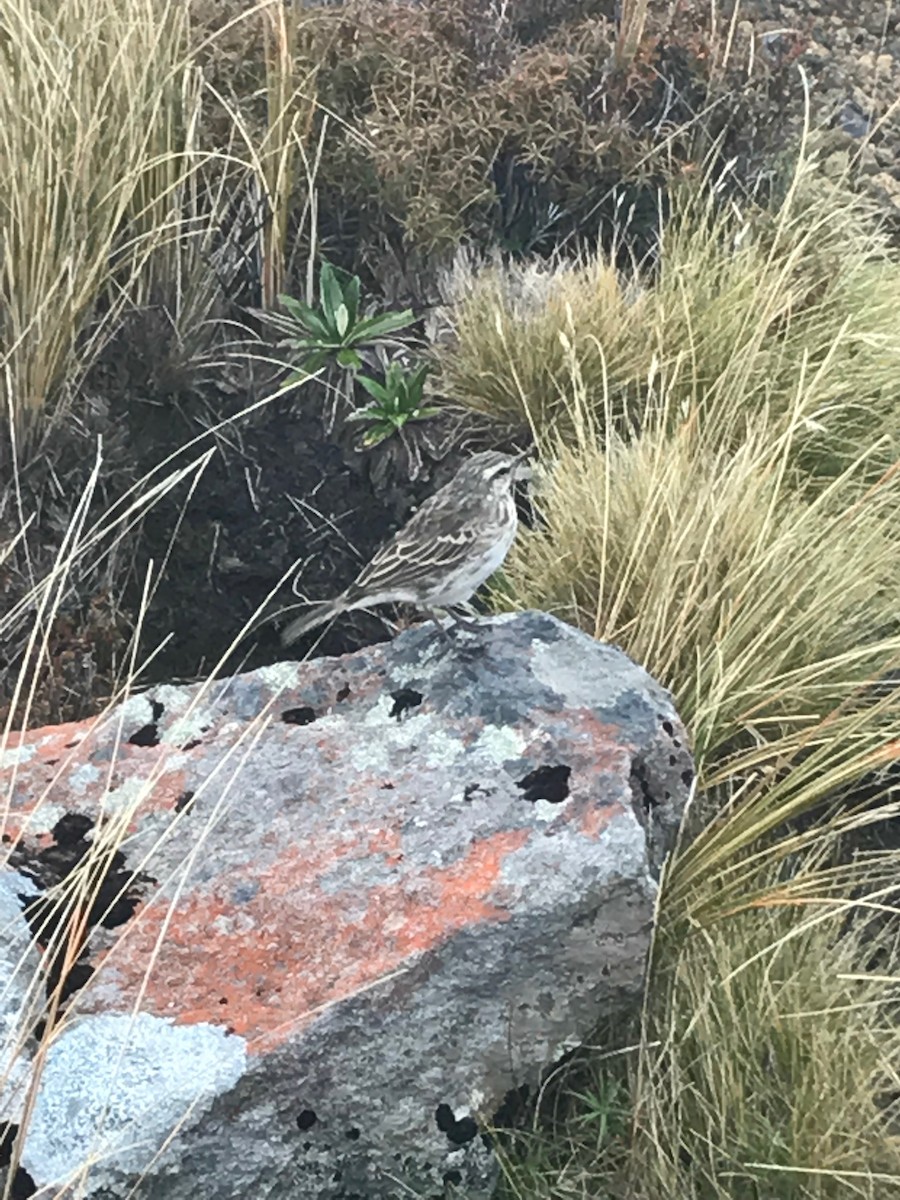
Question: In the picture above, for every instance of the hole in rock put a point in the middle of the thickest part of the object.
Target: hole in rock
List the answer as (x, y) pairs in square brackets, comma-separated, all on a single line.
[(71, 828), (546, 783), (458, 1132), (147, 735), (23, 1186), (306, 1119), (343, 693), (304, 715), (405, 699), (353, 1133), (110, 900), (8, 1134), (183, 801)]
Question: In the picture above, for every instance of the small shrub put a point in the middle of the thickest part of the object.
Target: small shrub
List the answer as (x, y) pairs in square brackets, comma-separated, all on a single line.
[(336, 330), (453, 120), (398, 400)]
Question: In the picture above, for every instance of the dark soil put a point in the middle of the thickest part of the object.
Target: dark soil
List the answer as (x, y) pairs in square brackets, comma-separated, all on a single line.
[(278, 490), (282, 491)]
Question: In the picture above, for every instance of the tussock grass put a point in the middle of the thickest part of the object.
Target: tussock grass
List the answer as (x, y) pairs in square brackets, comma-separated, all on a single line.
[(765, 1063), (788, 313), (760, 608), (112, 199), (775, 1057), (97, 107), (718, 493)]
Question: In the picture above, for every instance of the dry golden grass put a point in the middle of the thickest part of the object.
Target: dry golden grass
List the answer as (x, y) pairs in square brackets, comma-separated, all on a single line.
[(97, 106), (724, 506), (759, 607), (788, 314), (113, 198)]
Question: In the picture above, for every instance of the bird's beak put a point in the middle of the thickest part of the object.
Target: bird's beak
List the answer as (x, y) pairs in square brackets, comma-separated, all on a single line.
[(522, 470)]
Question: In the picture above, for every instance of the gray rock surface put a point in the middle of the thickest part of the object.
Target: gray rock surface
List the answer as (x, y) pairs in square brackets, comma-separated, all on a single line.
[(390, 891)]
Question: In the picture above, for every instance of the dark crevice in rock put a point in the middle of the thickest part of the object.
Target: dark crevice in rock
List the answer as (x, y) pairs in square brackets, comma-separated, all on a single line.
[(148, 735), (23, 1186), (404, 699), (546, 783), (306, 1119), (640, 785), (458, 1132), (304, 715), (343, 693), (109, 894), (513, 1107), (183, 801)]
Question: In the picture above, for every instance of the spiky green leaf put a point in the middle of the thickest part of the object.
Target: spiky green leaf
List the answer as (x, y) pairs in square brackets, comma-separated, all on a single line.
[(341, 320), (309, 320), (372, 328), (378, 390), (376, 435), (351, 298), (331, 292)]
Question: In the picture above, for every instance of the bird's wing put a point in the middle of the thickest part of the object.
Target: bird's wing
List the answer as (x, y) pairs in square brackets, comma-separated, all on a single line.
[(431, 541)]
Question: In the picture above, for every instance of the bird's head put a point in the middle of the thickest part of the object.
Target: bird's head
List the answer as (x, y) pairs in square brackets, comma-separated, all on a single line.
[(494, 472)]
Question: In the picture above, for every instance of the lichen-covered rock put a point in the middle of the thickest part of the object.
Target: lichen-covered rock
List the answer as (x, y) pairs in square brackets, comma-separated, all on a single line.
[(364, 901)]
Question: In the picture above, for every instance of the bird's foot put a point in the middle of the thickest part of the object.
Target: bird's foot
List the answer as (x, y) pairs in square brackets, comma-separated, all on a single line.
[(470, 626)]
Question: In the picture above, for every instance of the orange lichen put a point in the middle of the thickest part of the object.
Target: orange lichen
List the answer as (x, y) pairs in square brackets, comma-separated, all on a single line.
[(267, 965)]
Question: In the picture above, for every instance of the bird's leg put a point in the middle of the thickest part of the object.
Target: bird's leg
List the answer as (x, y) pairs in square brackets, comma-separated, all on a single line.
[(445, 636), (460, 622)]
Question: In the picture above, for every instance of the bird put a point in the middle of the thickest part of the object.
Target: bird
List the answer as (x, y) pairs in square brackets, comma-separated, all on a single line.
[(450, 546)]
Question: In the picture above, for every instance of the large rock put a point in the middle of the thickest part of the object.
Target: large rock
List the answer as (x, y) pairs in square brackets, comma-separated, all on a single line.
[(378, 895)]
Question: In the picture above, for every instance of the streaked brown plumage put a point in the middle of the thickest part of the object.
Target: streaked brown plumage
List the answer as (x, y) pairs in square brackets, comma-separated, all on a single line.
[(444, 553)]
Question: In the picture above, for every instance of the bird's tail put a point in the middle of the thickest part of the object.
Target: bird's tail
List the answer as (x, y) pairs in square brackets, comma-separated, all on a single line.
[(317, 615)]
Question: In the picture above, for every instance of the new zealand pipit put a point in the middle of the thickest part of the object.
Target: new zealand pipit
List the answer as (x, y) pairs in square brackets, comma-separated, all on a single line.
[(444, 553)]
